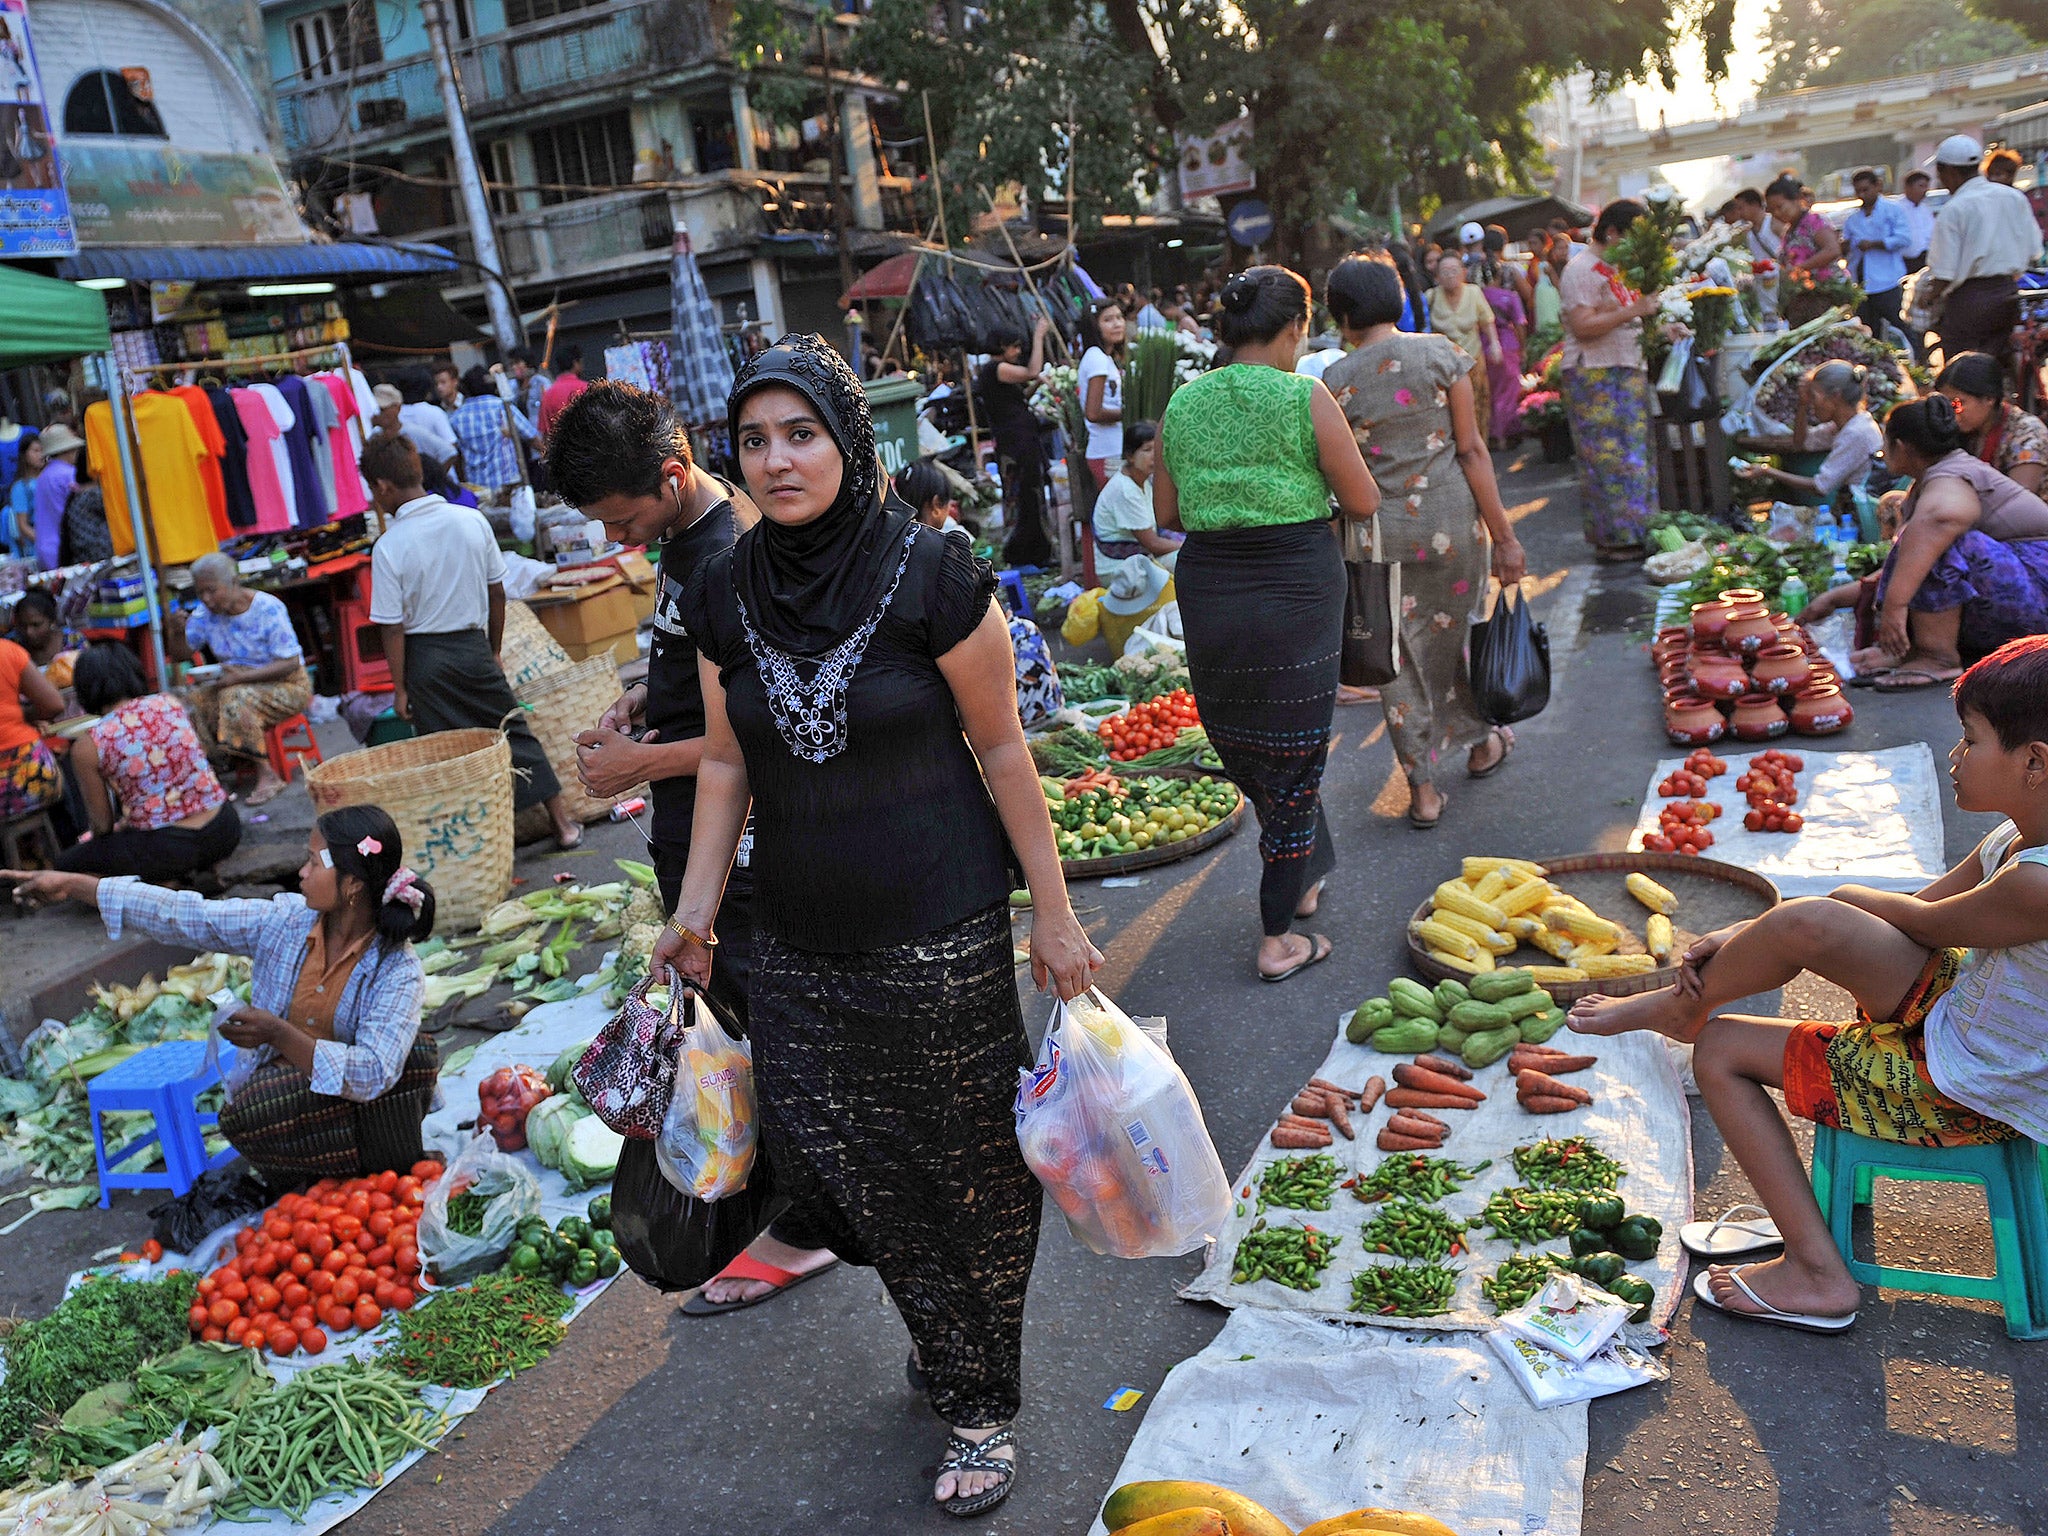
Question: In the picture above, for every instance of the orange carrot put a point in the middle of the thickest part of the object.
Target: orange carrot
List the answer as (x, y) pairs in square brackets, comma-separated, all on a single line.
[(1445, 1065), (1288, 1139), (1407, 1125), (1528, 1083), (1426, 1118), (1548, 1104), (1375, 1089), (1305, 1123), (1313, 1103), (1329, 1087), (1547, 1061), (1412, 1098), (1408, 1075), (1390, 1141), (1340, 1116)]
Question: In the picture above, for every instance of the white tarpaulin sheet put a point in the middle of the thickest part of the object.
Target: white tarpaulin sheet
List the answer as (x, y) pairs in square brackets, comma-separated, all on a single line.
[(1870, 818), (1313, 1419), (1638, 1116)]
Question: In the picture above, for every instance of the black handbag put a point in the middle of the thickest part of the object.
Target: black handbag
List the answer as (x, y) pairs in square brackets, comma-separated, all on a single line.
[(1510, 662), (1372, 611)]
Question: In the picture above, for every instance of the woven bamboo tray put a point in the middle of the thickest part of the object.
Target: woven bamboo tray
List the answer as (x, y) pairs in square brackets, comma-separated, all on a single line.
[(1169, 853), (1710, 895)]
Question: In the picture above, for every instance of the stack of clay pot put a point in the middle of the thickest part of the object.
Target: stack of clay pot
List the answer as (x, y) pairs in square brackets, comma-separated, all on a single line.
[(1739, 669)]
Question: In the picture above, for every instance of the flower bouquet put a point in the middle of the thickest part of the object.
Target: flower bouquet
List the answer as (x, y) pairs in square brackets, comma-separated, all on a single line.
[(1713, 310)]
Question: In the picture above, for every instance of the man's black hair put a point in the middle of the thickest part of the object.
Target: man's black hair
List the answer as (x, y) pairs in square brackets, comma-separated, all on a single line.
[(612, 440)]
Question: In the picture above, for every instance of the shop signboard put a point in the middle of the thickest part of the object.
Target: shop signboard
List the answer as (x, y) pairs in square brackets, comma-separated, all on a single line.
[(1217, 164), (35, 216), (150, 194)]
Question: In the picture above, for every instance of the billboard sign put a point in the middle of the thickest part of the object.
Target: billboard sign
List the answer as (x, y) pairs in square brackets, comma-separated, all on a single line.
[(35, 215), (1219, 163)]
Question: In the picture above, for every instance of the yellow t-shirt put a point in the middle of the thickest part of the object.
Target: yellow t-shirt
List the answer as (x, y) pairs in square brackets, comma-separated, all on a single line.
[(170, 448)]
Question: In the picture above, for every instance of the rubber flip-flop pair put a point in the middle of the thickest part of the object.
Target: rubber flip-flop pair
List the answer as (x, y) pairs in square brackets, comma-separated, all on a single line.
[(1802, 1322), (746, 1267)]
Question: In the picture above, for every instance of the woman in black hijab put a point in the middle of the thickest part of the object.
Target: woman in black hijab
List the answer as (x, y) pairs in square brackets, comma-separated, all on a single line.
[(859, 690)]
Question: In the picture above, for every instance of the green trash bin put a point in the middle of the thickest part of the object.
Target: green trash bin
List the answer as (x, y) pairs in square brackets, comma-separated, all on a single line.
[(894, 403)]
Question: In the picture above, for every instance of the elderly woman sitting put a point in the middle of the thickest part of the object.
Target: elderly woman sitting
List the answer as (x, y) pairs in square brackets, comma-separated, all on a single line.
[(263, 678), (1970, 568)]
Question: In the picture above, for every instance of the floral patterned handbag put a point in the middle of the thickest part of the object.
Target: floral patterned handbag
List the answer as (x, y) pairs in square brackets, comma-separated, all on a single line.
[(628, 1073)]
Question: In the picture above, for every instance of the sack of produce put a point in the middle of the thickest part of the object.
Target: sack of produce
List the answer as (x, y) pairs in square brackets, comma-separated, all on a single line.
[(706, 1146), (1110, 1125), (473, 1211), (1510, 663), (675, 1241)]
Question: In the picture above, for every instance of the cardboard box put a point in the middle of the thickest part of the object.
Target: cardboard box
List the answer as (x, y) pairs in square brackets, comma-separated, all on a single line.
[(621, 648), (644, 580), (593, 617)]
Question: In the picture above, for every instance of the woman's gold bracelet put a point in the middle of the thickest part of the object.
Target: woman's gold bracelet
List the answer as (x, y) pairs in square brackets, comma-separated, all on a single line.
[(709, 941)]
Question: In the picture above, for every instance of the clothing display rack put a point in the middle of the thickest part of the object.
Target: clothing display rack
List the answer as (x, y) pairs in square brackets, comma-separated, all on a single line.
[(259, 363)]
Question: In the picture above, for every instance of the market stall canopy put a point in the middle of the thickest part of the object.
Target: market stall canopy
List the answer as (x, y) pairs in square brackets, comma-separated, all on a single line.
[(255, 263), (890, 280), (1517, 215), (43, 319), (2024, 128), (411, 317)]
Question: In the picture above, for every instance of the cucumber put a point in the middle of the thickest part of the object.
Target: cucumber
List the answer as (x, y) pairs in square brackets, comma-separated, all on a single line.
[(1498, 986)]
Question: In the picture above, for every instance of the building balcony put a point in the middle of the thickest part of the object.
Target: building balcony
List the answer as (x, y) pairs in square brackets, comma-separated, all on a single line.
[(509, 71)]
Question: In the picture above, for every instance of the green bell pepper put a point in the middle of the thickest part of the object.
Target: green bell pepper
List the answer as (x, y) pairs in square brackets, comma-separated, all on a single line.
[(601, 1212), (1640, 1292), (524, 1260), (1585, 1240), (574, 1230), (1636, 1238), (1600, 1268), (607, 1262), (1602, 1211)]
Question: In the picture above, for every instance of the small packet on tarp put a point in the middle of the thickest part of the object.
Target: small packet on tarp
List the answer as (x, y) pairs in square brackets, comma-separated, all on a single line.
[(1570, 1316), (1551, 1381)]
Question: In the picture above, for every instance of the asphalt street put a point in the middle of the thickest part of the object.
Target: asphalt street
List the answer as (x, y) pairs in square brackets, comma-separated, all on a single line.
[(795, 1416)]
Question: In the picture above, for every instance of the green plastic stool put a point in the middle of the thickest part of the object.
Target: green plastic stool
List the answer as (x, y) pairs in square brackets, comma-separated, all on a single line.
[(1845, 1166)]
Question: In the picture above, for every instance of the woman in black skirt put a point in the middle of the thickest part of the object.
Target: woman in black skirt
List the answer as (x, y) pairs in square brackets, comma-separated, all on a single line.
[(1252, 455), (859, 691)]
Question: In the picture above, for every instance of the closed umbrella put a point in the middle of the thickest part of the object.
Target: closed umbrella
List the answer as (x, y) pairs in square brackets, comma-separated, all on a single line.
[(699, 369)]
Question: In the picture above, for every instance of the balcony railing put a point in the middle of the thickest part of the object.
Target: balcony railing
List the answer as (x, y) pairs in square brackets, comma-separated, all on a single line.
[(570, 52)]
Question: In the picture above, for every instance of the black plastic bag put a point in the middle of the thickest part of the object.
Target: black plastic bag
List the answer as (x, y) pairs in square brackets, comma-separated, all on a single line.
[(674, 1241), (219, 1197), (1510, 662)]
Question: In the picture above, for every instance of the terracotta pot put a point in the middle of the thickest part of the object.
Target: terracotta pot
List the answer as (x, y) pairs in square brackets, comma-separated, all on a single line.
[(1718, 677), (1735, 597), (1758, 717), (1821, 710), (1749, 629), (1672, 637), (1781, 669), (1692, 721), (1709, 619)]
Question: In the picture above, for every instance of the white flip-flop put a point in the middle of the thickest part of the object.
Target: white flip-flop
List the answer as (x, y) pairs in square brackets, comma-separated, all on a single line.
[(1739, 1231), (1804, 1322)]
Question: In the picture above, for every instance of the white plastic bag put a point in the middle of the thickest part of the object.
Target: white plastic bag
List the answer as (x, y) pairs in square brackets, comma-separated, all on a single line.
[(706, 1146), (1569, 1316), (1111, 1127), (1551, 1381), (513, 1194)]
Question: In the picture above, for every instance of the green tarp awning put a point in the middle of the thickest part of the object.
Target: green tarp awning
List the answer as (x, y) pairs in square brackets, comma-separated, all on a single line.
[(43, 319)]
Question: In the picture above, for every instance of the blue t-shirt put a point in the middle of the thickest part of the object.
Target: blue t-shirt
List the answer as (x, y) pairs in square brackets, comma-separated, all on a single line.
[(255, 638)]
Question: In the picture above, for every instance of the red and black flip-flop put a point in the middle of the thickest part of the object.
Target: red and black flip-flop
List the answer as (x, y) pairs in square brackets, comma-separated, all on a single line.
[(746, 1267)]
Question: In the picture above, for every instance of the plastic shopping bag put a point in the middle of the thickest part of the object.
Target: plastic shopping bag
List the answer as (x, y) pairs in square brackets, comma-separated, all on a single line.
[(675, 1241), (511, 1193), (1510, 665), (706, 1146), (1111, 1127)]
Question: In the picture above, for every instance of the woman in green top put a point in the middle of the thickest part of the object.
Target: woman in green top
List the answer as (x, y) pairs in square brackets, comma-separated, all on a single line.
[(1251, 456)]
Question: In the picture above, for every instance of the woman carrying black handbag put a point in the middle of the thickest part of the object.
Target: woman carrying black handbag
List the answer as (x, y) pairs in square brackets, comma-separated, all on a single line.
[(1409, 401)]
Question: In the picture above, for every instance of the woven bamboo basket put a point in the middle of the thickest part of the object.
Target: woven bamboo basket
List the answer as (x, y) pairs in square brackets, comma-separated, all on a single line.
[(451, 794), (528, 652), (560, 705)]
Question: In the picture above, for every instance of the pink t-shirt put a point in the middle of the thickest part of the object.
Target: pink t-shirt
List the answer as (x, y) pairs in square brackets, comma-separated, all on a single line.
[(273, 507), (1584, 283), (349, 496)]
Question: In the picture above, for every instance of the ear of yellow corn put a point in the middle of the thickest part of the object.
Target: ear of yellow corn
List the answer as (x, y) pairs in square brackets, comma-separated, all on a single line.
[(1607, 966), (1525, 927), (1489, 889), (1555, 975), (1650, 893), (1551, 942), (1657, 937), (1585, 948), (1531, 895), (1478, 868), (1463, 963), (1486, 938), (1456, 896), (1581, 924), (1440, 935)]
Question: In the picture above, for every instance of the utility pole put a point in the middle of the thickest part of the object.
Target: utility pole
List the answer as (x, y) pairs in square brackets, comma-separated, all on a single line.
[(835, 158), (483, 233)]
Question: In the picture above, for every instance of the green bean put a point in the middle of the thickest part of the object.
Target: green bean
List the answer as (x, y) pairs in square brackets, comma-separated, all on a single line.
[(1569, 1162), (326, 1431)]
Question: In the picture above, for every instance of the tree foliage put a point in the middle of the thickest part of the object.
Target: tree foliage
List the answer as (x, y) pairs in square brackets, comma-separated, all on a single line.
[(1845, 42)]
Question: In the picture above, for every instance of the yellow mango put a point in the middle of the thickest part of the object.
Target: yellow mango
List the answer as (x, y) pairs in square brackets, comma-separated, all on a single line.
[(1142, 1501)]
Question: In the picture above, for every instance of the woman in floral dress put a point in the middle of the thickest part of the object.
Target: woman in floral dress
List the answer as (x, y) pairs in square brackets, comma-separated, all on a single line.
[(1607, 391), (1409, 402)]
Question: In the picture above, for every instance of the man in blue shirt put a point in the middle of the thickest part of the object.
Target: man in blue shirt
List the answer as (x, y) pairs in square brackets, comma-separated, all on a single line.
[(485, 424), (1876, 236)]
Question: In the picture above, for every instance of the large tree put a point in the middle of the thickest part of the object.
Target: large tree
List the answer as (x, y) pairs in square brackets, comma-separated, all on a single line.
[(1346, 99), (1845, 42)]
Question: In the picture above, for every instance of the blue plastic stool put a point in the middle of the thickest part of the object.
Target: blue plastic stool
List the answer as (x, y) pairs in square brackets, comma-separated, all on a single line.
[(1012, 582), (166, 1080), (1845, 1167)]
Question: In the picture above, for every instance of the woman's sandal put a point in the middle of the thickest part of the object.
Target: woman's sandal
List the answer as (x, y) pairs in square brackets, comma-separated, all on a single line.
[(1906, 679), (1428, 823), (1505, 735), (964, 1455), (1319, 950), (746, 1267)]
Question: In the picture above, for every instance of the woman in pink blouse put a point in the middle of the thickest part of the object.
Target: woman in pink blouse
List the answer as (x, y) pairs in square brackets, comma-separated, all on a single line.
[(1607, 391)]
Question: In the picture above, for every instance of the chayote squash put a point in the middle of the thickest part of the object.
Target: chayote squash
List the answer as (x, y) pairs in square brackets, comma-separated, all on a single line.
[(1374, 1013), (1524, 1005), (1449, 993), (1404, 1037), (1477, 1018), (1539, 1027), (1412, 1000), (1484, 1048), (1498, 986)]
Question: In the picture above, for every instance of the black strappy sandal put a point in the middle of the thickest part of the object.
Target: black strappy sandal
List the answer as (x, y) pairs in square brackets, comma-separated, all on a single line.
[(964, 1455)]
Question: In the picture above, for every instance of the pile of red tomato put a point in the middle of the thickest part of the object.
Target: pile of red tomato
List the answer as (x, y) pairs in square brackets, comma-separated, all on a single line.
[(1691, 778), (1149, 726), (1769, 786), (1682, 828), (337, 1257)]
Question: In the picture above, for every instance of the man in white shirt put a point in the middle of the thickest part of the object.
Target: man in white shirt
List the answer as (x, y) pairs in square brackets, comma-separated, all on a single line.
[(437, 589), (1984, 237), (1919, 219)]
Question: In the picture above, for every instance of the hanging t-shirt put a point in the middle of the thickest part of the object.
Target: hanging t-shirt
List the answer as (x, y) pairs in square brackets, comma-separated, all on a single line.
[(234, 459), (269, 471), (366, 403), (309, 503), (325, 418), (210, 467), (180, 521), (350, 495)]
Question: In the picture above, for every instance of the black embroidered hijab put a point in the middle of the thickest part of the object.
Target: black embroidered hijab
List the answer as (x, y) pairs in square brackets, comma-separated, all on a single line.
[(805, 589)]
